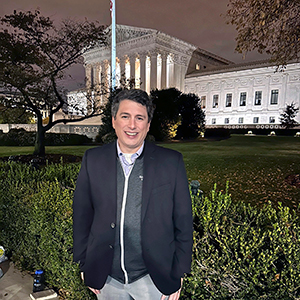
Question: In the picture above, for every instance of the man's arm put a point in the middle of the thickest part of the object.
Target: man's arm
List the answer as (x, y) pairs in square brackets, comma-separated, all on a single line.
[(95, 291), (82, 214), (183, 222), (174, 296)]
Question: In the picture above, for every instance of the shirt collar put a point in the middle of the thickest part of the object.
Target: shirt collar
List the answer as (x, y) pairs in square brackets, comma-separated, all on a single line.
[(134, 155)]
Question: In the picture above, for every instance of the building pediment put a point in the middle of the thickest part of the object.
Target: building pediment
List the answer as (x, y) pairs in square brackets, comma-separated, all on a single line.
[(125, 33)]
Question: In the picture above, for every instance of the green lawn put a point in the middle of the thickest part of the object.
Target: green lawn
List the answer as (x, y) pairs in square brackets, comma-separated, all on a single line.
[(256, 167)]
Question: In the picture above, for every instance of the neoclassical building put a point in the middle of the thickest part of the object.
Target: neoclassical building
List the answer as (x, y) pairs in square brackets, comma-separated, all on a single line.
[(150, 58), (247, 95)]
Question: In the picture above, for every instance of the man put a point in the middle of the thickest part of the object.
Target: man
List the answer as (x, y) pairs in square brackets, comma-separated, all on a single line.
[(132, 211)]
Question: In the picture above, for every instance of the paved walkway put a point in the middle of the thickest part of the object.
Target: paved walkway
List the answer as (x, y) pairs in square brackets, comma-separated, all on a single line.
[(16, 285)]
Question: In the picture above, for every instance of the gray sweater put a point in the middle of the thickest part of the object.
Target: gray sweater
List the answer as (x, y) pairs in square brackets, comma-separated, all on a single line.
[(128, 264)]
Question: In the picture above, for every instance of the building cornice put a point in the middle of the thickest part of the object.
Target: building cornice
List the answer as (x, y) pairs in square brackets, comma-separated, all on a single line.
[(239, 67)]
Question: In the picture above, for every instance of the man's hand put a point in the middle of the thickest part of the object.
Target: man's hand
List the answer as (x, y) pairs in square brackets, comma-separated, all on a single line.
[(95, 291), (174, 296)]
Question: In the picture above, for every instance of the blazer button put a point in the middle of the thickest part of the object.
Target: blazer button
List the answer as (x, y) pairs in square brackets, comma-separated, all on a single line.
[(111, 246), (112, 225)]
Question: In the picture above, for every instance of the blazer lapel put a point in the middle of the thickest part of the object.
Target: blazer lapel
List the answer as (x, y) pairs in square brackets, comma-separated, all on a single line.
[(149, 173), (109, 177)]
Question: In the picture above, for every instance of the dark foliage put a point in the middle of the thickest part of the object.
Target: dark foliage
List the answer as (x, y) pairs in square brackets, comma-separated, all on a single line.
[(287, 118)]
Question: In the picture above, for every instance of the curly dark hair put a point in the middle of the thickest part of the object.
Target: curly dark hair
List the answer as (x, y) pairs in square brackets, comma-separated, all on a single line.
[(136, 95)]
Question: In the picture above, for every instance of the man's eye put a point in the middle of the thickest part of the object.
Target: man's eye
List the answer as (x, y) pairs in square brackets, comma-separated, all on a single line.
[(124, 117)]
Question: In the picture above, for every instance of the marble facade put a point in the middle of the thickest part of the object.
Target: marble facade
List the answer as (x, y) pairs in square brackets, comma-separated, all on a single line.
[(248, 95), (148, 58)]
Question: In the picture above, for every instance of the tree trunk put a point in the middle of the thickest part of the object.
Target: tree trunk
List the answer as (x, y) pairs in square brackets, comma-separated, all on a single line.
[(39, 147)]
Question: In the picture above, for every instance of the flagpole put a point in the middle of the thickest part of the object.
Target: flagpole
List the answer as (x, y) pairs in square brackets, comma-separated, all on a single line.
[(113, 43)]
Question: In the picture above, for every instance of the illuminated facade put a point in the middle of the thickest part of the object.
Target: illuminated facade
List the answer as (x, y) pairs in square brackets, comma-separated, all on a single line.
[(148, 58), (248, 95)]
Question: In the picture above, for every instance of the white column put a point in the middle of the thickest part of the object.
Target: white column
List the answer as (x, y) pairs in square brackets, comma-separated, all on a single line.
[(97, 74), (132, 68), (163, 70), (142, 71), (170, 72), (88, 82), (122, 67), (105, 76), (153, 71), (148, 73)]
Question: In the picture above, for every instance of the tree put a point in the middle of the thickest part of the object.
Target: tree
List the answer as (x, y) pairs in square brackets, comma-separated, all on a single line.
[(34, 57), (176, 115), (287, 118), (14, 115), (166, 114), (192, 117), (106, 130), (271, 27)]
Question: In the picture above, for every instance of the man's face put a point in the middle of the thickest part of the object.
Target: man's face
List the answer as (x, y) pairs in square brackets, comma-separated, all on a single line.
[(131, 125)]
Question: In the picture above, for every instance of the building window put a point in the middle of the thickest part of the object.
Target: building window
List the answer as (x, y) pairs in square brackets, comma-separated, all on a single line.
[(272, 120), (274, 97), (241, 120), (255, 120), (213, 121), (203, 101), (228, 100), (258, 96), (197, 66), (243, 96), (215, 101), (226, 121)]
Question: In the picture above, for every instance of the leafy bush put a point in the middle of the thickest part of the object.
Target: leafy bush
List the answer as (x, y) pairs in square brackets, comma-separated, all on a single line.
[(243, 252), (65, 139), (21, 137), (240, 251), (17, 137), (218, 133), (36, 223)]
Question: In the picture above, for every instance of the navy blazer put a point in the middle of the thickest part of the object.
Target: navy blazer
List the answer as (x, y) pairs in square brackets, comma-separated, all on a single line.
[(166, 226)]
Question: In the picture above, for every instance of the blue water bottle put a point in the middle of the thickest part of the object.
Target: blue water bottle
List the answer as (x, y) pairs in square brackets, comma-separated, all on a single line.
[(38, 281)]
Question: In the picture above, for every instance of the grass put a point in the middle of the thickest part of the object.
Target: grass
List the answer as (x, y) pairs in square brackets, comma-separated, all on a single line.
[(256, 167), (15, 150)]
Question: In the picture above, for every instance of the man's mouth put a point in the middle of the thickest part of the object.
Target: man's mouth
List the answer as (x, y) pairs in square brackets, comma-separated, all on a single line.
[(131, 133)]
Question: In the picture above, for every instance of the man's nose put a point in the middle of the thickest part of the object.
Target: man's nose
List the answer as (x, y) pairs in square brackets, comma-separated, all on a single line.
[(131, 123)]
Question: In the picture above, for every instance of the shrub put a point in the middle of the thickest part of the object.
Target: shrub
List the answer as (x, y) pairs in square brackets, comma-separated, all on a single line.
[(239, 251), (36, 223), (17, 137), (66, 139), (243, 252), (21, 137), (218, 133)]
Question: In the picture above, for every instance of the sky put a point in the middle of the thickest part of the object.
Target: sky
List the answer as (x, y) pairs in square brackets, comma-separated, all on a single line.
[(199, 22)]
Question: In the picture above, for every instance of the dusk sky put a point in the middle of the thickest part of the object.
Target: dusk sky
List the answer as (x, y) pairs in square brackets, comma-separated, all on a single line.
[(199, 22)]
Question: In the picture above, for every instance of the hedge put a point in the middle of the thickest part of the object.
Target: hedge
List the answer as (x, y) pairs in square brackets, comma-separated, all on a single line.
[(240, 251), (21, 137), (36, 223), (243, 252)]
